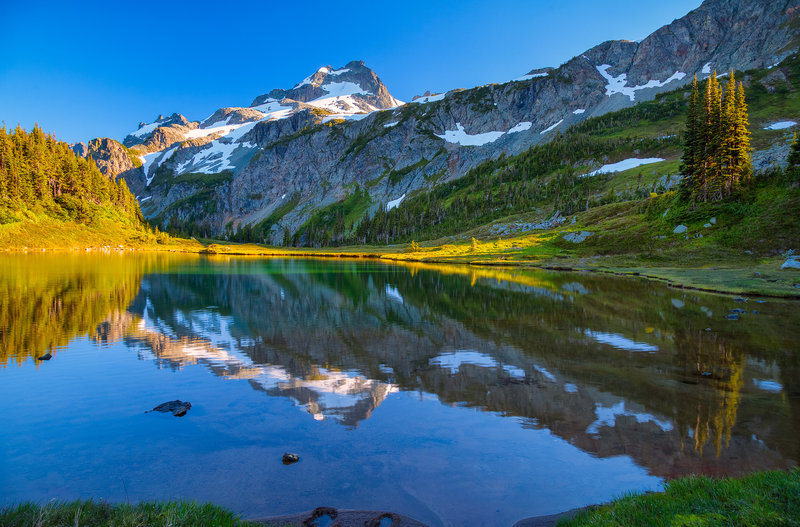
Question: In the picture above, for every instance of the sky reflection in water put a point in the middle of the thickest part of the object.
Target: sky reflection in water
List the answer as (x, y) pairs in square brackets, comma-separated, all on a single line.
[(451, 394)]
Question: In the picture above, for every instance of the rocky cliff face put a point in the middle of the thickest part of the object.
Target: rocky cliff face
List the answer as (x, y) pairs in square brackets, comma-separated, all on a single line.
[(113, 160), (294, 151)]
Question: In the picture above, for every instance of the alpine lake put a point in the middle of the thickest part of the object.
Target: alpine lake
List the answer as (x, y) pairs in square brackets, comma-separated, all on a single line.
[(455, 395)]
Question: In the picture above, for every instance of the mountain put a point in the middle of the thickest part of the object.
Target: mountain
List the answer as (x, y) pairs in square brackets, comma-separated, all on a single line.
[(295, 152)]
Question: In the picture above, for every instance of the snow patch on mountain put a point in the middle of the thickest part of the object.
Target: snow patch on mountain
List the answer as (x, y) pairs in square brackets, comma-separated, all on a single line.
[(781, 125), (150, 162), (551, 128), (625, 164), (213, 159), (461, 137), (619, 83), (395, 203), (520, 127), (579, 111), (530, 76), (430, 98), (706, 68), (146, 129)]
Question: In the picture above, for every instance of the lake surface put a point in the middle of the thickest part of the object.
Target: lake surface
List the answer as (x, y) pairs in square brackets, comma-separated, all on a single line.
[(454, 395)]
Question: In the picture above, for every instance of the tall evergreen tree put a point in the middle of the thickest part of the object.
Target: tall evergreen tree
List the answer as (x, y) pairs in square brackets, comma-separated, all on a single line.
[(743, 161), (716, 154), (690, 162), (794, 153)]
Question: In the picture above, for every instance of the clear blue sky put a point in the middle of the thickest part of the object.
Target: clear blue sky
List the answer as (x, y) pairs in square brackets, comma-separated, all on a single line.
[(95, 69)]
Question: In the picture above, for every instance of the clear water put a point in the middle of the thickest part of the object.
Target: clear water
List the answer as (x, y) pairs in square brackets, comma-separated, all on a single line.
[(454, 395)]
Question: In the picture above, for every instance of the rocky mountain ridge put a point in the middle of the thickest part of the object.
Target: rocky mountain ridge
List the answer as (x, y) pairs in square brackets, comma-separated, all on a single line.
[(297, 150)]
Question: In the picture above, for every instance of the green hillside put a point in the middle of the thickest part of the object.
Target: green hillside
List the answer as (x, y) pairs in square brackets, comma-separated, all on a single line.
[(636, 209), (51, 198)]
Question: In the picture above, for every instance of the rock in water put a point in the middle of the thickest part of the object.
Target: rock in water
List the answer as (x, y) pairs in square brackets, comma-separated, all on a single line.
[(791, 263), (732, 316), (46, 356), (289, 458), (177, 407)]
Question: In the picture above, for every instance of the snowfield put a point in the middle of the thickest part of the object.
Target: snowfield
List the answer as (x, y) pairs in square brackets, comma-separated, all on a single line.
[(781, 125), (625, 164), (530, 76), (619, 84), (551, 128), (462, 138), (394, 203), (521, 127), (430, 98)]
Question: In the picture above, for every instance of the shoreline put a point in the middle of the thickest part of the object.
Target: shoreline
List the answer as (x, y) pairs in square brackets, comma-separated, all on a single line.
[(700, 279)]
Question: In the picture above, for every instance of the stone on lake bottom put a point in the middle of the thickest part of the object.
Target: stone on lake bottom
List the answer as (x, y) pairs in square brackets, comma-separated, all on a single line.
[(177, 408), (289, 458)]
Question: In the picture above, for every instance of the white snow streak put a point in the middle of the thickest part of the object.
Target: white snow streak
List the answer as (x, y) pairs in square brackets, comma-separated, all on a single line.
[(618, 84), (461, 137), (430, 98), (530, 76), (551, 128), (521, 127), (394, 203), (781, 125), (625, 164)]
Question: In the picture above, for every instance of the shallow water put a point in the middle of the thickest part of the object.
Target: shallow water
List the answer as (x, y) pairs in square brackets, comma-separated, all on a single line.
[(454, 395)]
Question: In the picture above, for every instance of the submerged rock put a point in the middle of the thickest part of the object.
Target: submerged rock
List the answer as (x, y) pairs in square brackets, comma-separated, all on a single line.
[(46, 356), (732, 316), (791, 263), (577, 237), (738, 311), (177, 408), (289, 458)]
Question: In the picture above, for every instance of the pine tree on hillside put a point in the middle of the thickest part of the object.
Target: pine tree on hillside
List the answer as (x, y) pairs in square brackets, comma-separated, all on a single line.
[(716, 155), (743, 160), (691, 159), (40, 174), (794, 153)]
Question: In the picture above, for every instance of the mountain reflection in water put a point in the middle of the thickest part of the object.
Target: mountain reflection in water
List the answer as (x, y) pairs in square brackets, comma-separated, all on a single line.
[(614, 366)]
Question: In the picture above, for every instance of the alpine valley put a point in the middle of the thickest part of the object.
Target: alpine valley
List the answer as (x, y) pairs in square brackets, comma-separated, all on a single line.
[(339, 132)]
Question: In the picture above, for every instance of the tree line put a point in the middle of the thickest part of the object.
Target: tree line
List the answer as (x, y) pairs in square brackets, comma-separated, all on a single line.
[(42, 175), (716, 154)]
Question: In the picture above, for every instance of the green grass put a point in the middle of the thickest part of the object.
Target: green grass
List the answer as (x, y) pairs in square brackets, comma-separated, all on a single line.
[(766, 498), (98, 513)]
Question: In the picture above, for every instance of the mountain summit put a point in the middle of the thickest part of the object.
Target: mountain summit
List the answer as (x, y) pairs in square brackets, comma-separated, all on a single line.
[(294, 152), (352, 89)]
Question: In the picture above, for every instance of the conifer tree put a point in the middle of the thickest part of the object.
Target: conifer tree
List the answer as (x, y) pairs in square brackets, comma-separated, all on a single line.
[(794, 153), (690, 162), (744, 164), (716, 154)]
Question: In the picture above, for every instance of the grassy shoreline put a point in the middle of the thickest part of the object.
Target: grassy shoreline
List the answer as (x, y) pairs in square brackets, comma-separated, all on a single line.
[(762, 498), (757, 277), (624, 240)]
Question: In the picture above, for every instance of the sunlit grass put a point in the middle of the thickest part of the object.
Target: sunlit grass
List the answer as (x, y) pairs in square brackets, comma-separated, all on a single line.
[(98, 513), (766, 498)]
